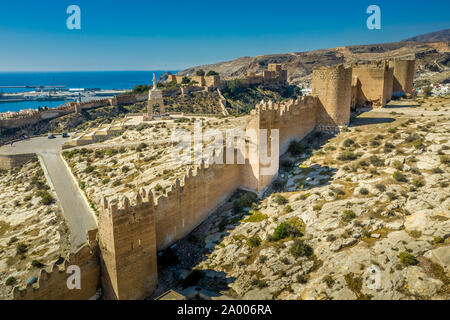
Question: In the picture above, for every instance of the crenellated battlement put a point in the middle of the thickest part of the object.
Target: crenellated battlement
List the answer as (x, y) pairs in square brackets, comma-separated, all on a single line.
[(53, 284)]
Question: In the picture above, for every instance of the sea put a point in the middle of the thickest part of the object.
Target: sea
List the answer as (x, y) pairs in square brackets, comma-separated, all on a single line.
[(104, 80)]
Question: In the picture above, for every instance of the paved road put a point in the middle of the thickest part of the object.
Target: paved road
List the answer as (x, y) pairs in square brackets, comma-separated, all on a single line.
[(77, 212)]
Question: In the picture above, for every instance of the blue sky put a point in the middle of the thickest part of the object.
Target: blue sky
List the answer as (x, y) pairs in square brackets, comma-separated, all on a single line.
[(167, 35)]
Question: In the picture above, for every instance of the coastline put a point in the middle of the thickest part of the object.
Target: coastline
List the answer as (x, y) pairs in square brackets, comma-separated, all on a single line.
[(97, 81)]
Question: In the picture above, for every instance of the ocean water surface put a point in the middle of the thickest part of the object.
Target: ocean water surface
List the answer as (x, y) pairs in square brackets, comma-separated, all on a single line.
[(119, 80)]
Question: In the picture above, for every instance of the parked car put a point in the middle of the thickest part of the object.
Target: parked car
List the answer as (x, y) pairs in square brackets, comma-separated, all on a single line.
[(51, 136), (65, 135)]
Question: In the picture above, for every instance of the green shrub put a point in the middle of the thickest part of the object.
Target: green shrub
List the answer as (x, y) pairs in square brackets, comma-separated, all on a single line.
[(280, 200), (363, 163), (438, 240), (21, 248), (300, 249), (99, 153), (348, 215), (212, 73), (445, 160), (11, 281), (347, 156), (259, 283), (364, 191), (418, 144), (380, 187), (348, 142), (437, 170), (254, 241), (407, 259), (301, 278), (37, 264), (285, 230), (398, 165), (329, 281), (256, 216), (400, 177), (393, 130), (122, 150), (46, 197), (392, 196), (375, 161), (89, 169), (70, 154), (111, 152), (412, 137), (375, 143), (418, 183)]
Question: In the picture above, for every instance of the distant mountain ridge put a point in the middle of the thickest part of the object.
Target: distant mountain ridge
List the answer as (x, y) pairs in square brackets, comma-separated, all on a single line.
[(300, 64), (442, 35)]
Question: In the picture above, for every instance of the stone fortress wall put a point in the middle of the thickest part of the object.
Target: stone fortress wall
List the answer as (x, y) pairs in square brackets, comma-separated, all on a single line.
[(403, 75), (274, 77), (130, 235), (52, 285), (8, 162)]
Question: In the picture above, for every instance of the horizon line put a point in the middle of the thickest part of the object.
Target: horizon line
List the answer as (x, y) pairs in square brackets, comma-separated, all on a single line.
[(37, 71)]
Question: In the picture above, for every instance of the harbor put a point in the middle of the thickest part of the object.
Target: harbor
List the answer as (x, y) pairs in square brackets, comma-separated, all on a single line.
[(50, 97)]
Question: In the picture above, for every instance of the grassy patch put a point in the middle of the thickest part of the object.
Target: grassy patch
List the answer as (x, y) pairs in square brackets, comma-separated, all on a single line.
[(256, 216)]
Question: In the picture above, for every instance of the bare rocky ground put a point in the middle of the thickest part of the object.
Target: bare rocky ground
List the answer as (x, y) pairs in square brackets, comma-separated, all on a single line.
[(374, 197), (140, 158), (33, 233)]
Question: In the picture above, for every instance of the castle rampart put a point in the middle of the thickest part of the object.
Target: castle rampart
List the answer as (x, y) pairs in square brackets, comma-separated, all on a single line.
[(8, 162), (127, 241), (373, 84), (130, 235), (332, 86), (403, 76), (53, 285)]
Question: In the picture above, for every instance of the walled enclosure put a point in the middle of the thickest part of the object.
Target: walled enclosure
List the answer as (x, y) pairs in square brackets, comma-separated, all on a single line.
[(129, 236)]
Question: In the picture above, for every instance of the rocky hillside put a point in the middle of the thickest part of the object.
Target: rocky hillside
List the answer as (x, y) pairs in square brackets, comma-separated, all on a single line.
[(301, 64), (370, 202), (442, 35)]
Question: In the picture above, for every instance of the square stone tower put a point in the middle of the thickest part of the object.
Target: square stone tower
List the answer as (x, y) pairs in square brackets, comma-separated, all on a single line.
[(127, 241), (403, 76)]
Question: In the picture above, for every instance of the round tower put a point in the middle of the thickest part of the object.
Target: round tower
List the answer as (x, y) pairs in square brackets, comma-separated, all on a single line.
[(332, 85)]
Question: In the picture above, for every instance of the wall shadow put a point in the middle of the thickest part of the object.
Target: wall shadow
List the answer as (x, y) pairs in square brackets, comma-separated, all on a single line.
[(402, 106), (363, 121)]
